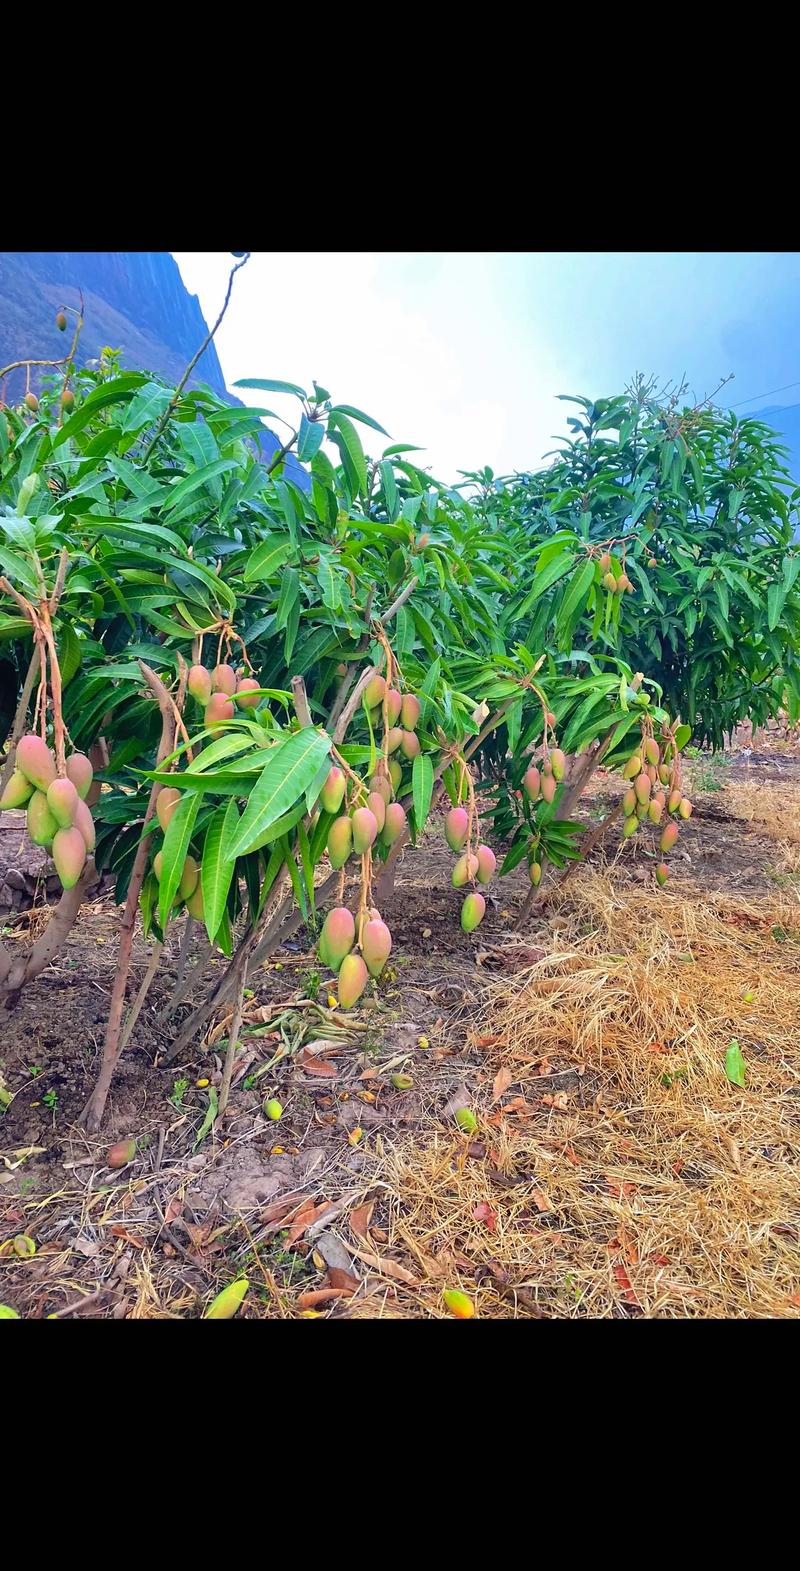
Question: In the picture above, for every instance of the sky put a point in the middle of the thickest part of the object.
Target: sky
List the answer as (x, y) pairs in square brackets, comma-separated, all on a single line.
[(463, 353)]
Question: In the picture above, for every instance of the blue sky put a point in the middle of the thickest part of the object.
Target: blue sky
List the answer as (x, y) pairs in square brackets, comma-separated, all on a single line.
[(464, 352)]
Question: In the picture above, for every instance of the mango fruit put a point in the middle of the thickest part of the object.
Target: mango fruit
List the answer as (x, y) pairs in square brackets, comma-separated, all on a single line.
[(166, 803), (81, 773), (675, 799), (456, 825), (642, 810), (61, 322), (630, 826), (610, 582), (549, 787), (465, 870), (655, 811), (62, 800), (633, 767), (624, 584), (218, 709), (410, 711), (394, 705), (531, 782), (247, 691), (466, 1120), (337, 937), (395, 738), (67, 401), (353, 978), (376, 946), (121, 1154), (273, 1109), (652, 774), (34, 760), (669, 835), (684, 808), (376, 803), (18, 790), (535, 872), (158, 863), (629, 802), (195, 904), (410, 744), (663, 773), (226, 1303), (547, 767), (199, 684), (382, 785), (472, 912), (189, 878), (558, 763), (40, 821), (605, 562), (458, 1304), (652, 752), (31, 402), (365, 829), (223, 680), (332, 793), (642, 787), (374, 691), (396, 823), (487, 862), (662, 873), (395, 773), (69, 855), (340, 841)]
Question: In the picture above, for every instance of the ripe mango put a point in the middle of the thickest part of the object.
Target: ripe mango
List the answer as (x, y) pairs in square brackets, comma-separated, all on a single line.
[(535, 871), (558, 763), (365, 829), (394, 705), (549, 787), (465, 870), (675, 799), (642, 787), (531, 782), (374, 691), (684, 808), (629, 802), (61, 322), (218, 709), (633, 767), (652, 774), (166, 803), (610, 582), (332, 793), (652, 752), (642, 809), (624, 583), (18, 790), (376, 803), (81, 773), (662, 873), (69, 855), (410, 711), (67, 400), (458, 1305), (223, 680), (199, 684), (62, 800), (456, 825), (605, 562), (340, 841), (189, 878), (376, 946), (395, 738), (487, 862), (655, 811), (547, 767), (472, 912), (246, 696), (31, 402), (396, 823), (41, 823), (337, 937), (382, 785), (395, 773), (121, 1154), (410, 744), (353, 978), (669, 835), (35, 761), (663, 773), (195, 905), (630, 826)]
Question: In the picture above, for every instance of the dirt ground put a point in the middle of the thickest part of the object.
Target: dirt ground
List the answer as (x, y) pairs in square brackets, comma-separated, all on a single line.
[(614, 1168)]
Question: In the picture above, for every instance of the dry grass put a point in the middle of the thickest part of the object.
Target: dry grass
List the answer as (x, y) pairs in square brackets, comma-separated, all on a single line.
[(653, 1185), (772, 806)]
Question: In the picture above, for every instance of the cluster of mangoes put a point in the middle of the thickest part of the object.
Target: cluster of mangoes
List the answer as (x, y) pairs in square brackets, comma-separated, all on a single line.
[(57, 815), (615, 585), (471, 866), (402, 714), (655, 789), (221, 691), (189, 889), (375, 816), (543, 783), (337, 942)]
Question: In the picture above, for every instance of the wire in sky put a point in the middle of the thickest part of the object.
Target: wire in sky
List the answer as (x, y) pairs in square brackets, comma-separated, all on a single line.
[(752, 400)]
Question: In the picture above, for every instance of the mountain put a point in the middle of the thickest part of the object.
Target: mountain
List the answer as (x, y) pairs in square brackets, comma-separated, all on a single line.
[(135, 301)]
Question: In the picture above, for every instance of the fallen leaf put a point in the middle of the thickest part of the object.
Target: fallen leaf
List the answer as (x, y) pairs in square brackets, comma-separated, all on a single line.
[(304, 1218), (621, 1191), (321, 1295), (360, 1220), (129, 1238), (570, 1156), (343, 1279), (490, 1041), (174, 1209), (540, 1200), (625, 1283), (484, 1213), (659, 1260), (318, 1066), (502, 1080), (559, 1102), (795, 1299), (388, 1268), (734, 1063)]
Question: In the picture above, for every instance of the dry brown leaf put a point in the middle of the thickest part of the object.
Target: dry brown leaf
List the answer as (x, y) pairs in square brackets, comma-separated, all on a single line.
[(360, 1220), (388, 1268), (559, 1102), (490, 1041), (541, 1201), (304, 1218), (129, 1238), (174, 1209), (317, 1066), (343, 1279), (625, 1283), (321, 1295), (484, 1213), (502, 1080)]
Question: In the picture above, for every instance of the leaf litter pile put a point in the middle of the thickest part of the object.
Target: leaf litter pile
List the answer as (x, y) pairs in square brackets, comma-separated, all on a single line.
[(598, 1118)]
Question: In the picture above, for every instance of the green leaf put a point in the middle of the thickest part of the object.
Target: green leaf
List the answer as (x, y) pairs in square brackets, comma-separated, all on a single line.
[(217, 866), (401, 447), (69, 652), (776, 596), (290, 590), (734, 1063), (310, 439), (265, 384), (285, 777), (176, 845), (267, 558), (682, 735), (147, 405), (226, 1303), (573, 602), (356, 414), (211, 1113), (421, 788), (178, 494), (389, 485), (344, 434), (543, 581)]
